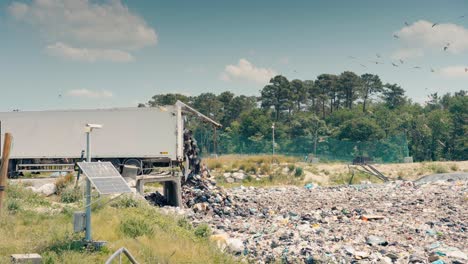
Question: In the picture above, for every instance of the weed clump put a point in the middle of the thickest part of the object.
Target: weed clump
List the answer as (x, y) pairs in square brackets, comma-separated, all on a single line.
[(70, 195), (299, 172), (202, 231), (135, 227), (454, 167), (125, 202), (13, 206), (184, 223)]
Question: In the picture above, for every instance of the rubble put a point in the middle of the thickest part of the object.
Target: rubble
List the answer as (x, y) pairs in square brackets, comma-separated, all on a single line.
[(398, 222)]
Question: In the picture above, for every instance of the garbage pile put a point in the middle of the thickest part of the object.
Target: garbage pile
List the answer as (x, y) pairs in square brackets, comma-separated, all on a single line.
[(397, 222), (205, 198)]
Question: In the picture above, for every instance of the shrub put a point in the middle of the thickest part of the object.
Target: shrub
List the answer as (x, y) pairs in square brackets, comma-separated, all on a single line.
[(291, 167), (248, 178), (299, 171), (70, 195), (184, 223), (202, 231), (125, 202), (437, 168), (135, 227), (454, 167), (62, 182), (217, 165), (242, 167)]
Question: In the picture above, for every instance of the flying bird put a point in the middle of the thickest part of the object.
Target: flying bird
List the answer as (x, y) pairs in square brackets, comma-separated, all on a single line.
[(406, 23), (378, 55), (396, 36), (416, 67), (461, 16), (446, 47), (363, 65), (351, 57), (432, 70), (401, 61), (435, 24), (377, 62), (394, 64), (295, 71)]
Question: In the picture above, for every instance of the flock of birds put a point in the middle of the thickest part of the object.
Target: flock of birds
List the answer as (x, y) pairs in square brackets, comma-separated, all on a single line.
[(400, 62)]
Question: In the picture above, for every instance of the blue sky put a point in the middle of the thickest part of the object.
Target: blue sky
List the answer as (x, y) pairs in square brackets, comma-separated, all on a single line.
[(84, 54)]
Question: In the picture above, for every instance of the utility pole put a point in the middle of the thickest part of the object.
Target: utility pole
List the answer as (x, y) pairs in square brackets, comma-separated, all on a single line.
[(273, 137), (4, 168), (89, 129)]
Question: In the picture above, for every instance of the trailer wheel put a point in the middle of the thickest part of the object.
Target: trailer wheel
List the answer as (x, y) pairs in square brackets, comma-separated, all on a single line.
[(135, 162), (12, 173), (116, 163)]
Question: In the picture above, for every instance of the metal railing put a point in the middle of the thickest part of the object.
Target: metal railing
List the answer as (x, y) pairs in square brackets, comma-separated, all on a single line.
[(118, 253)]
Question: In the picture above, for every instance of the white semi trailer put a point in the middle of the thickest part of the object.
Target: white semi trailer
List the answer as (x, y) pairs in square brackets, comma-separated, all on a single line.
[(46, 141)]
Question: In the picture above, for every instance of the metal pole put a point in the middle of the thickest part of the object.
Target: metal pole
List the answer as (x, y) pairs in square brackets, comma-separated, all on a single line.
[(273, 136), (88, 191), (315, 144), (4, 167)]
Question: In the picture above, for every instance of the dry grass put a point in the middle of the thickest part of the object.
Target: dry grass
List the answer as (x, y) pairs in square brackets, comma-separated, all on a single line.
[(322, 173), (257, 163), (49, 233)]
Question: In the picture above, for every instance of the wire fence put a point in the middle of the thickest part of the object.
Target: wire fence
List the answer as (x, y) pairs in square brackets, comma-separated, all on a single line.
[(389, 150)]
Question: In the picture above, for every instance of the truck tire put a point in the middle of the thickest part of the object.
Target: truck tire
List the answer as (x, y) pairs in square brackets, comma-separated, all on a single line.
[(134, 162)]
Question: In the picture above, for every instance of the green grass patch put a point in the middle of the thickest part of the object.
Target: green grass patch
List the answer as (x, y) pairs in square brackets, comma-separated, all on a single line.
[(149, 235)]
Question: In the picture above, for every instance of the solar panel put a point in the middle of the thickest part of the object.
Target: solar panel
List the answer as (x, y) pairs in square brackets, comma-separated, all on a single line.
[(104, 177)]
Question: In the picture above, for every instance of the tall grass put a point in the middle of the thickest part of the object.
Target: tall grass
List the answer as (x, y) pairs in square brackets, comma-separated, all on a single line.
[(150, 236)]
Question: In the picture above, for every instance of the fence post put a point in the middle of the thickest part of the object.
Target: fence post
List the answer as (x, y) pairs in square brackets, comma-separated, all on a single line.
[(4, 167)]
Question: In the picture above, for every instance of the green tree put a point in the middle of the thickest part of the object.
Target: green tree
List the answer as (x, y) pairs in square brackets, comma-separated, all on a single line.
[(348, 85), (393, 95), (325, 83), (371, 84), (276, 94), (298, 93), (167, 99), (361, 129)]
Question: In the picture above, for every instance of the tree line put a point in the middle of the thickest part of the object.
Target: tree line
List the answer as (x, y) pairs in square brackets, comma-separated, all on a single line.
[(347, 107)]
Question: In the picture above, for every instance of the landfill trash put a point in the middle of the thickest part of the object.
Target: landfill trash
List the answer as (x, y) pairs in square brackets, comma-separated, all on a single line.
[(396, 222), (376, 241), (309, 186)]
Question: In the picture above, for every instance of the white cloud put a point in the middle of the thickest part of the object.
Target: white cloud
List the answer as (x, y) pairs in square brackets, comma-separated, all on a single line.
[(458, 71), (245, 70), (89, 93), (88, 55), (421, 36), (107, 25), (407, 53)]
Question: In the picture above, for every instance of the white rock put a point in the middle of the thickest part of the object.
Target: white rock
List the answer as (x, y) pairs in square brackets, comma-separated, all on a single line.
[(238, 176), (235, 245), (230, 180), (226, 174), (47, 189)]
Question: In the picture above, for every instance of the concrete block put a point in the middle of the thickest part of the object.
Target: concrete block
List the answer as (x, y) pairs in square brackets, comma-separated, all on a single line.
[(408, 160), (32, 258)]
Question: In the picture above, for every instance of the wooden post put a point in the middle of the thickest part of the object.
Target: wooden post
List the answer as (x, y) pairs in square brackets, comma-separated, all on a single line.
[(4, 167)]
